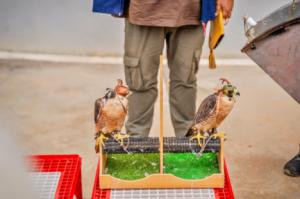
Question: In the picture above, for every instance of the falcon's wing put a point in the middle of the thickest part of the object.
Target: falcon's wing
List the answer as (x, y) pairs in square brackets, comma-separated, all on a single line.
[(98, 109), (207, 107)]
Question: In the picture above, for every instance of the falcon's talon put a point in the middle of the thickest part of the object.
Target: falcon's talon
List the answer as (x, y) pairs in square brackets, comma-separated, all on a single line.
[(97, 135), (101, 139), (220, 135), (120, 138), (198, 137)]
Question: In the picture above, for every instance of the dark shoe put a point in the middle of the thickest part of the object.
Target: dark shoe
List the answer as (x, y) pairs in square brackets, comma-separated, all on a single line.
[(292, 167)]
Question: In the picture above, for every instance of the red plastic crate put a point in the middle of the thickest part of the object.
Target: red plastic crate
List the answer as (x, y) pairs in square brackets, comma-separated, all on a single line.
[(70, 168), (225, 193), (97, 192)]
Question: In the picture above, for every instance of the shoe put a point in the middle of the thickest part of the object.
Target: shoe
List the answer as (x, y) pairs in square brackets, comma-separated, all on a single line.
[(292, 167)]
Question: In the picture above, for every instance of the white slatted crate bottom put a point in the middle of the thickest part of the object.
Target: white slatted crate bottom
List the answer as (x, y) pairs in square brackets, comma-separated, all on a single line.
[(162, 194), (45, 184)]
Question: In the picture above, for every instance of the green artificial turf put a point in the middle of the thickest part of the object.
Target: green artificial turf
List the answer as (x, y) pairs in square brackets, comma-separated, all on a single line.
[(132, 166), (191, 166), (183, 165)]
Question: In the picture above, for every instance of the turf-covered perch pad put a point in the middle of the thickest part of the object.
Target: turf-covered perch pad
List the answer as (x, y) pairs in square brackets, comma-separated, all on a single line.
[(191, 166), (184, 165), (132, 166)]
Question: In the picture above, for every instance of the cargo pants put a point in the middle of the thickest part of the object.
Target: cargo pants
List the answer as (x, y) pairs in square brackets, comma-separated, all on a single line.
[(143, 47)]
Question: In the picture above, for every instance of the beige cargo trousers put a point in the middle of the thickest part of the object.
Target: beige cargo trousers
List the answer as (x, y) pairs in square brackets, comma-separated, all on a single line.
[(143, 47)]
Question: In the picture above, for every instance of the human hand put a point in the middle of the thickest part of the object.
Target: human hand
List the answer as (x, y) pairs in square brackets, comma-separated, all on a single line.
[(225, 6)]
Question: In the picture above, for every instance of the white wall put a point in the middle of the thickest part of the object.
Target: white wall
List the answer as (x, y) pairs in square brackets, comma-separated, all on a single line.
[(69, 26)]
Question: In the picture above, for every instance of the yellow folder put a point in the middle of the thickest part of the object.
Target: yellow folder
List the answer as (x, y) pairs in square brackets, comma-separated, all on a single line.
[(215, 36)]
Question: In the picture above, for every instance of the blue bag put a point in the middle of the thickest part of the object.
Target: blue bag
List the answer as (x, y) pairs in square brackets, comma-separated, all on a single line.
[(114, 7)]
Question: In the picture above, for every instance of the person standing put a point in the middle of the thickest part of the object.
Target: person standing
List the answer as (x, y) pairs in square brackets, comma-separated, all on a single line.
[(148, 26)]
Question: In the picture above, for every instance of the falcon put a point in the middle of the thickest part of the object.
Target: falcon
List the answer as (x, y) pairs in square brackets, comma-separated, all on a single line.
[(212, 111), (110, 113)]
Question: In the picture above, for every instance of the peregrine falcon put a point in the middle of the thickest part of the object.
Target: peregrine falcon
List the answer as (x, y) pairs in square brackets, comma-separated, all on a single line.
[(110, 113), (212, 111)]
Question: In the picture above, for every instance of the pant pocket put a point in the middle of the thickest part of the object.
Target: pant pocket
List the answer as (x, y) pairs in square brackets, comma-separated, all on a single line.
[(133, 73), (195, 65)]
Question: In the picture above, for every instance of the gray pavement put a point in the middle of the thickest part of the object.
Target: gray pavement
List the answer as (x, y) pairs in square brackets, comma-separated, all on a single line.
[(51, 106)]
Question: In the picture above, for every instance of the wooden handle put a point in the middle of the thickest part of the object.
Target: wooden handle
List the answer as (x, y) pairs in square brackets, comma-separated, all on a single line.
[(161, 107)]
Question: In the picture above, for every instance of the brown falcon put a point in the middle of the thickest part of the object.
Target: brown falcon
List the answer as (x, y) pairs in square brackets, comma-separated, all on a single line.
[(110, 114), (212, 111)]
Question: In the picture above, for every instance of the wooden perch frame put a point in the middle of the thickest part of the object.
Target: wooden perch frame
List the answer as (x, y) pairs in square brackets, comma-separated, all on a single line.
[(160, 145)]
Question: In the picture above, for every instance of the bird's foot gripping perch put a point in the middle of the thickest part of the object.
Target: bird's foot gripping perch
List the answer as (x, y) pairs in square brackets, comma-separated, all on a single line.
[(119, 137), (220, 135), (100, 139), (200, 139)]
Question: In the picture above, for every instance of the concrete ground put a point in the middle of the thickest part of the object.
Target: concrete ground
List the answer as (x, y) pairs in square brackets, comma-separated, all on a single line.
[(51, 105)]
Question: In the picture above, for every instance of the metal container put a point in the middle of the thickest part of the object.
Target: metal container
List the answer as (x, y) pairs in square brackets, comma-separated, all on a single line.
[(274, 44)]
